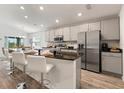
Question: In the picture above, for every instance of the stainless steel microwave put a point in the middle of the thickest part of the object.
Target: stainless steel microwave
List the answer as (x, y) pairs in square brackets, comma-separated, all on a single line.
[(58, 38)]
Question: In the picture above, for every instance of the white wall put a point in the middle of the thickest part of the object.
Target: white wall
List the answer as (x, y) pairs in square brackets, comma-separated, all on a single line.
[(122, 34), (6, 30)]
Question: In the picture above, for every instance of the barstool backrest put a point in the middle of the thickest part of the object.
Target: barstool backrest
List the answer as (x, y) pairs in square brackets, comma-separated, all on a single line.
[(3, 51), (18, 57), (6, 52), (37, 63)]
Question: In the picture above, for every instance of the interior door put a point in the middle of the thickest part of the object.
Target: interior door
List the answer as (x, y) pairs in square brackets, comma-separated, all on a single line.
[(92, 51)]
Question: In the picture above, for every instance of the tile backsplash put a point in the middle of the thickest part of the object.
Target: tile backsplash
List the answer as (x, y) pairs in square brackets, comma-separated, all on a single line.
[(112, 43), (68, 43)]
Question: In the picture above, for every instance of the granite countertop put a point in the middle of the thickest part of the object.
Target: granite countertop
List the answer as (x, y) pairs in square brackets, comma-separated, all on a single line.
[(111, 52), (64, 58), (50, 55)]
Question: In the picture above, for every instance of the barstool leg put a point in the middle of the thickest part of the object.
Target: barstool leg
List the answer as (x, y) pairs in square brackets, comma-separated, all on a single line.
[(22, 85), (42, 85), (11, 67)]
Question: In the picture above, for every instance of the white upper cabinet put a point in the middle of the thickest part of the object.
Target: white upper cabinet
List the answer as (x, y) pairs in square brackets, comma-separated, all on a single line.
[(110, 29), (66, 33), (58, 31), (83, 28), (74, 32), (47, 36), (94, 26), (51, 34)]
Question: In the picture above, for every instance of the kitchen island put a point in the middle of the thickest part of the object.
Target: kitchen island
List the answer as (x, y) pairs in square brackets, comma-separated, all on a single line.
[(64, 75)]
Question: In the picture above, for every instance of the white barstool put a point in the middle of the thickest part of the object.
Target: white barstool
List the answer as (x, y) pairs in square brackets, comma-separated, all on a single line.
[(18, 58), (9, 58), (3, 58), (38, 64)]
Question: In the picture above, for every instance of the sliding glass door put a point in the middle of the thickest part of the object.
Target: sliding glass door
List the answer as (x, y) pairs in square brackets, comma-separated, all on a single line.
[(14, 42)]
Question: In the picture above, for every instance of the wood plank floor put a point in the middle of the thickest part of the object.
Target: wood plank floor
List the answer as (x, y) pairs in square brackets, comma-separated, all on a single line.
[(89, 80), (10, 82)]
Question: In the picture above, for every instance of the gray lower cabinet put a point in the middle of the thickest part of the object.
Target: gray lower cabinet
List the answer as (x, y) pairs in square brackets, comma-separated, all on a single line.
[(110, 29), (112, 62)]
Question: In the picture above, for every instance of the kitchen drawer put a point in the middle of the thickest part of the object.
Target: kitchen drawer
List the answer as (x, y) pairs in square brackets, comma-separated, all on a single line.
[(112, 62), (111, 54)]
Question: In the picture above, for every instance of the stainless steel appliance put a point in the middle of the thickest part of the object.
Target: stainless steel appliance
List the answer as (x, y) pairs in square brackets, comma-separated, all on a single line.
[(56, 52), (105, 47), (89, 48), (58, 38)]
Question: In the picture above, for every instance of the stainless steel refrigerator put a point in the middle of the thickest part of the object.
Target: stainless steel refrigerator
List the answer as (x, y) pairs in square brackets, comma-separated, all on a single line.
[(90, 50)]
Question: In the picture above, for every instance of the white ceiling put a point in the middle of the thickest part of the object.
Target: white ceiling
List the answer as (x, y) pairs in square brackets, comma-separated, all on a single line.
[(12, 15)]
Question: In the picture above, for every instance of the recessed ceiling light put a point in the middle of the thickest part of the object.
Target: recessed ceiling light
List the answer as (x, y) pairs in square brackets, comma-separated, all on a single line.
[(57, 21), (41, 25), (41, 8), (26, 17), (21, 7), (79, 14)]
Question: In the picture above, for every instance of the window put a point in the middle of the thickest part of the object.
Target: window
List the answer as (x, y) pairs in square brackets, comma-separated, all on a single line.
[(36, 42), (14, 42)]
